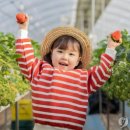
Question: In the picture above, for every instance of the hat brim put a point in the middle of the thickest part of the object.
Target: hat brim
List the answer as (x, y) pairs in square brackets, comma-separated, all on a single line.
[(71, 31)]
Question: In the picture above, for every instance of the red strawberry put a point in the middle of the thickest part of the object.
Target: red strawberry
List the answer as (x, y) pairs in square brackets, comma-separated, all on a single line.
[(21, 18), (116, 36)]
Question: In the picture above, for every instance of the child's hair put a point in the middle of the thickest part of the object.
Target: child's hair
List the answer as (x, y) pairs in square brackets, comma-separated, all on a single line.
[(62, 43)]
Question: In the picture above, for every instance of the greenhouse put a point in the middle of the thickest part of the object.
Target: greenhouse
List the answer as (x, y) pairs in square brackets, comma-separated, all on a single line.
[(65, 65)]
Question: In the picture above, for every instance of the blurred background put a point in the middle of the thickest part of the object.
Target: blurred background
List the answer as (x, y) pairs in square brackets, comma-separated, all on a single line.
[(97, 18)]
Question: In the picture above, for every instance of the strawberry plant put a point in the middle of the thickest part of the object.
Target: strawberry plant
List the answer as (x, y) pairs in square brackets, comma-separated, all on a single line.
[(118, 86), (11, 80)]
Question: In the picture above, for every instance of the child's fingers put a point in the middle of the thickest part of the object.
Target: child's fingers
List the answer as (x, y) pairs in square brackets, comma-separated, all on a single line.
[(27, 17), (110, 40), (23, 25)]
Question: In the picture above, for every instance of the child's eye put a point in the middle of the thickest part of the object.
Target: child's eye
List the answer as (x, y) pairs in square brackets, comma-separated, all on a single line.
[(71, 54), (60, 51)]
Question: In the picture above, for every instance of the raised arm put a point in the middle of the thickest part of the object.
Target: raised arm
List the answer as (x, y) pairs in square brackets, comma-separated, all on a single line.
[(98, 75), (24, 47)]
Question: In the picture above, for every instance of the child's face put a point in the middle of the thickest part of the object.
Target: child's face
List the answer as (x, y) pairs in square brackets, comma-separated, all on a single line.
[(66, 59)]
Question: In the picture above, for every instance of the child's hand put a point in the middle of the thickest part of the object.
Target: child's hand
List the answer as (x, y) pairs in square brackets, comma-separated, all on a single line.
[(23, 25), (112, 44)]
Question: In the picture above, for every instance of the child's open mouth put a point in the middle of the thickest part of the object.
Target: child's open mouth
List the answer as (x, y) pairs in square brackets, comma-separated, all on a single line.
[(63, 64)]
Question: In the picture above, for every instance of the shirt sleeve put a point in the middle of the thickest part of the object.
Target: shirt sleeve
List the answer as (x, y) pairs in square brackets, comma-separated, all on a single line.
[(111, 52), (22, 34), (98, 75), (24, 48)]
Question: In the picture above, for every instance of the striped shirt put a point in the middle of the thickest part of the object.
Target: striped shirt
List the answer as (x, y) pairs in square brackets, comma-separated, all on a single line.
[(59, 98)]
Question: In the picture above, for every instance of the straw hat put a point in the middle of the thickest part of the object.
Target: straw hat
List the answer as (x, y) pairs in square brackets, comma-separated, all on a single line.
[(71, 31)]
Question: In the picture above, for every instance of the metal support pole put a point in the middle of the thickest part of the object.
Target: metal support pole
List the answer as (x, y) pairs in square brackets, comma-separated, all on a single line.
[(17, 115), (5, 121), (123, 112), (102, 5), (82, 20), (108, 115), (100, 101), (93, 15), (123, 108)]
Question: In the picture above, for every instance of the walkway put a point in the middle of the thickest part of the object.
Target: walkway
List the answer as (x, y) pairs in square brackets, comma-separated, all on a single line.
[(94, 122)]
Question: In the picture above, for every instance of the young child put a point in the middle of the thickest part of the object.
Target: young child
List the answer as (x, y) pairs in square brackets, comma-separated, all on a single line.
[(60, 83)]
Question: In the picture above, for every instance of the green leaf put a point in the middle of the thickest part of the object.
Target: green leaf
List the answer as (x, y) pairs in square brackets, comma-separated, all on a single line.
[(15, 56), (128, 56)]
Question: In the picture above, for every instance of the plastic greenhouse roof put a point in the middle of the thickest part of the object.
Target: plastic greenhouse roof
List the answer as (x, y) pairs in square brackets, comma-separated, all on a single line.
[(115, 17), (44, 15)]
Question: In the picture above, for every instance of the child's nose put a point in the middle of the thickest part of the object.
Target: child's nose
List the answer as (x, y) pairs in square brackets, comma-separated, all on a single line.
[(65, 56)]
